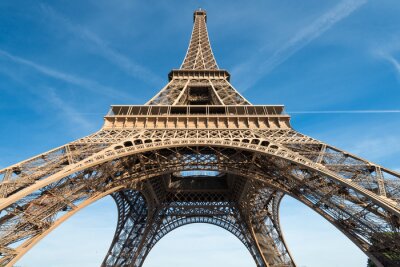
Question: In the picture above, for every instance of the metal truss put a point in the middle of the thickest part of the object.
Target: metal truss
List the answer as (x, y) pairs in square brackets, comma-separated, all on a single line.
[(352, 207), (132, 220), (134, 243), (199, 69), (199, 54), (199, 152), (176, 92)]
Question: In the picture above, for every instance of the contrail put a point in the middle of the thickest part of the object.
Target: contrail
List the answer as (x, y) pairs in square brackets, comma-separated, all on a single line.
[(50, 96), (344, 111), (394, 62), (68, 111), (300, 40), (66, 77), (132, 68)]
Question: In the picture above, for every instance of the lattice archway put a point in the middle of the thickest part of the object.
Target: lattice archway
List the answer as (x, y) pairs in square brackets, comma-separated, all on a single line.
[(266, 170), (207, 241), (227, 219)]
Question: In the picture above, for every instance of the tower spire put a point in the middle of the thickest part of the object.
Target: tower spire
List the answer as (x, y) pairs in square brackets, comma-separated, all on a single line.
[(199, 81), (199, 55)]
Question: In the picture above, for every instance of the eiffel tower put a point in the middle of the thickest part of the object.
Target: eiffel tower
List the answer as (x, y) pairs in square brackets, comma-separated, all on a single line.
[(199, 152)]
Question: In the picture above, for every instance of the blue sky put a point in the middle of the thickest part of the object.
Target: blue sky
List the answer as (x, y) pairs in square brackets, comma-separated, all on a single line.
[(62, 63)]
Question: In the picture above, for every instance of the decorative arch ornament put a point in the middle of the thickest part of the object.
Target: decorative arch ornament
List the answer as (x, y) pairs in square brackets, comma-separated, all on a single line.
[(156, 161)]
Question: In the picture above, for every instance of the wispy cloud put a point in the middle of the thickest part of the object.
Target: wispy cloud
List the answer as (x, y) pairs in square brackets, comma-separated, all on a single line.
[(301, 39), (387, 52), (103, 49), (395, 63), (49, 95), (66, 77), (68, 111), (376, 147), (364, 138)]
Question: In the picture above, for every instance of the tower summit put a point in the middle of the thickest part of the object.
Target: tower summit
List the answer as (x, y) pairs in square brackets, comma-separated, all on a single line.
[(199, 55), (199, 81), (199, 152)]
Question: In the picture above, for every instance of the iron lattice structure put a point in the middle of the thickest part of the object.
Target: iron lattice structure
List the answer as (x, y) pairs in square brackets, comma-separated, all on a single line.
[(199, 152)]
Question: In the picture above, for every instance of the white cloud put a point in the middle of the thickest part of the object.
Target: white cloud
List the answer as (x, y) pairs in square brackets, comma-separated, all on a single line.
[(103, 49), (66, 77), (50, 96), (386, 52), (377, 147), (395, 63), (68, 111), (364, 138), (301, 39)]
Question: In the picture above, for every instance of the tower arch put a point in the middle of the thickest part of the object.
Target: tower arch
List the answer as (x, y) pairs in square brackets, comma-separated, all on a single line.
[(257, 167), (210, 245)]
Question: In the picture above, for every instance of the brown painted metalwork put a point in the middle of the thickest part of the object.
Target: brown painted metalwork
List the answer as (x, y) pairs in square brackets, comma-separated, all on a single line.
[(199, 152)]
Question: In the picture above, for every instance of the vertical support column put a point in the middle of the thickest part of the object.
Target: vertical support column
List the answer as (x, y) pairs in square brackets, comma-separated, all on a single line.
[(263, 223), (271, 245), (132, 218), (321, 154), (4, 183), (250, 241), (381, 183)]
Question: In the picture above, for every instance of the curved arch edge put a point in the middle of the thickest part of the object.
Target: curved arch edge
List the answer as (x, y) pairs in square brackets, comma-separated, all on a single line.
[(29, 244)]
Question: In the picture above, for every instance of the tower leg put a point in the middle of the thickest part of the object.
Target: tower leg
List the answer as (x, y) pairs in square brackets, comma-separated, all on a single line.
[(139, 229), (271, 245), (132, 219), (266, 232)]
